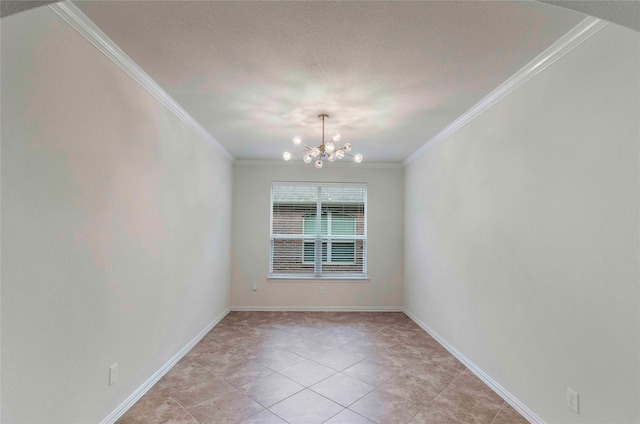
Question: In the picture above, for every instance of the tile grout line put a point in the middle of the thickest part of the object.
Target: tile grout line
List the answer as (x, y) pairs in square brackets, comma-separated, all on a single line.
[(185, 408), (337, 372), (439, 393), (351, 410), (320, 394), (390, 334), (208, 400), (300, 391), (498, 413)]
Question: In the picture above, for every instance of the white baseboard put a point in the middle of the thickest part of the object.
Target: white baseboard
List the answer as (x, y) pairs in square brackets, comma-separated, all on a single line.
[(138, 393), (318, 308), (501, 391)]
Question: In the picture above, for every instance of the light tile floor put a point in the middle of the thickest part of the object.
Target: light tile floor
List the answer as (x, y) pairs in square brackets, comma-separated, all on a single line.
[(319, 367)]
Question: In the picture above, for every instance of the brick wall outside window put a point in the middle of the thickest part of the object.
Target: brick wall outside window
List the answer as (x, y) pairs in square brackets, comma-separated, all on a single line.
[(288, 254)]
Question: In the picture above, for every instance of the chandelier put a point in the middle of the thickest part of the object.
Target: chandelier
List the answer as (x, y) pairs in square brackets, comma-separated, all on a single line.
[(326, 150)]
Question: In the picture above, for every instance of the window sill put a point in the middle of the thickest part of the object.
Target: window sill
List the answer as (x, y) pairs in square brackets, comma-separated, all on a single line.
[(300, 278)]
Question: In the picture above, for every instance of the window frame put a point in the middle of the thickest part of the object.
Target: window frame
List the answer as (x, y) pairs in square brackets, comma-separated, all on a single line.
[(331, 275), (330, 240)]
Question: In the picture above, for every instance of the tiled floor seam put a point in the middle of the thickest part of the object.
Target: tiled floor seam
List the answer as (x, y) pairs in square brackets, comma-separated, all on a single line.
[(281, 400), (282, 418), (387, 338), (306, 388), (440, 392), (339, 412), (345, 407), (320, 394), (355, 363), (359, 414), (498, 413), (185, 409)]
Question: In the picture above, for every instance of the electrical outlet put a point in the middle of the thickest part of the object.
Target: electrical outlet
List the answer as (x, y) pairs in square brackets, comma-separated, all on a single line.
[(573, 400), (254, 287), (113, 374), (321, 290)]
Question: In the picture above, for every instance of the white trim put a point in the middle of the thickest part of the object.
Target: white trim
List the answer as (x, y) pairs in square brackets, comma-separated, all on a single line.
[(81, 23), (318, 264), (585, 29), (336, 164), (316, 183), (140, 391), (318, 308), (494, 385), (298, 278)]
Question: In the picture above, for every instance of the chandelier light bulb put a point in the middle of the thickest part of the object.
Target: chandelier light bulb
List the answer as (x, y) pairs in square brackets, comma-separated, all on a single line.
[(326, 150), (329, 147)]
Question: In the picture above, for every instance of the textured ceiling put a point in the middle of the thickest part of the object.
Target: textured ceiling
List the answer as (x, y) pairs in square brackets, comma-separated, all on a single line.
[(391, 74)]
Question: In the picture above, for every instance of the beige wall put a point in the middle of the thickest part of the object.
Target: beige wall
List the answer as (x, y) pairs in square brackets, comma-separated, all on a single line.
[(115, 227), (521, 236), (250, 254)]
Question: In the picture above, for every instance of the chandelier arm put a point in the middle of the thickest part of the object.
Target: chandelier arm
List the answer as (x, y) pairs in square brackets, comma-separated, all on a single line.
[(320, 152), (301, 151)]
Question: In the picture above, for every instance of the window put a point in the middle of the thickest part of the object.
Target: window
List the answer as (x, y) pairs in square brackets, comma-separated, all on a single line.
[(318, 230), (335, 251)]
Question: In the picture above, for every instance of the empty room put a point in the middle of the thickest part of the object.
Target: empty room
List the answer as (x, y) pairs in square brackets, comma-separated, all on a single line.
[(307, 212)]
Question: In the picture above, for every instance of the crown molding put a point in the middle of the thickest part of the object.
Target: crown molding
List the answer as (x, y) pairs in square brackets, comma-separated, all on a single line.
[(81, 23), (300, 164), (581, 32)]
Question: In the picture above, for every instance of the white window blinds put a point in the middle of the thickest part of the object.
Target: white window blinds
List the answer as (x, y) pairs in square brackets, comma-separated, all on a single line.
[(318, 230)]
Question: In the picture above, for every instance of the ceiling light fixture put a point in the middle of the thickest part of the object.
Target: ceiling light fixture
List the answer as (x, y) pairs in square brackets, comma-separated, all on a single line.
[(325, 150)]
